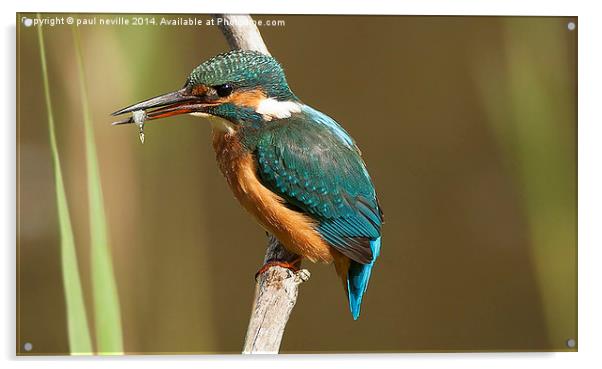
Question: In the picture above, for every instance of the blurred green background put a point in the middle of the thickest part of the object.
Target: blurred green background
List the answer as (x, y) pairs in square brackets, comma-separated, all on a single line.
[(467, 124)]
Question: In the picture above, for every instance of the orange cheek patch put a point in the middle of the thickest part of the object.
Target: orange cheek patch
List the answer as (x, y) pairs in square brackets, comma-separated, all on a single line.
[(249, 98), (246, 98)]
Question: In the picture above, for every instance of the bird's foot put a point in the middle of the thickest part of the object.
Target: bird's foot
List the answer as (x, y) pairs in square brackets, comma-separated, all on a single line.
[(290, 265)]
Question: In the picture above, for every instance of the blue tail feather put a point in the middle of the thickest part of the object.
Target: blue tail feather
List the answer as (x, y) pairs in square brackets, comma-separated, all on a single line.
[(358, 277)]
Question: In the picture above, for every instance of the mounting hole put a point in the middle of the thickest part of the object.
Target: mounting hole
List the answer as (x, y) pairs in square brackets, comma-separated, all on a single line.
[(27, 22), (571, 26), (27, 346), (571, 343)]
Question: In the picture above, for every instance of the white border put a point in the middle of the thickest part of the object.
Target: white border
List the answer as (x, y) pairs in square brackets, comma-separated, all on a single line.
[(590, 184)]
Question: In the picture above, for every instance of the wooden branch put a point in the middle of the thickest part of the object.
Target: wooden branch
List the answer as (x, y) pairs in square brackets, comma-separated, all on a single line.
[(240, 32), (276, 289), (276, 292)]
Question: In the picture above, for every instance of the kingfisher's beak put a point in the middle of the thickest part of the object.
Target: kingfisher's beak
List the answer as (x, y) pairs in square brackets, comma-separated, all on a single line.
[(173, 103)]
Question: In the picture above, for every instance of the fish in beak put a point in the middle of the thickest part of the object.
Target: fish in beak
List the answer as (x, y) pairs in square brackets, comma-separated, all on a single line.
[(167, 105)]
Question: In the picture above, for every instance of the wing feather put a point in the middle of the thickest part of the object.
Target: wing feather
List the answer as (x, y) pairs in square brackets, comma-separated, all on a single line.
[(322, 175)]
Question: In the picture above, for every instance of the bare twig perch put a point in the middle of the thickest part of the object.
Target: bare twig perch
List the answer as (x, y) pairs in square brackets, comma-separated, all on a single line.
[(275, 296), (276, 289)]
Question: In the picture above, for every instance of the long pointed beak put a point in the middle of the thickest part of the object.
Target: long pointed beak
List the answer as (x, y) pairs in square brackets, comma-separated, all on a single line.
[(173, 103)]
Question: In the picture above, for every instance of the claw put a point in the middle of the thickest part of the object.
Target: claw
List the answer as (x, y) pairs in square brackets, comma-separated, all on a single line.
[(291, 265)]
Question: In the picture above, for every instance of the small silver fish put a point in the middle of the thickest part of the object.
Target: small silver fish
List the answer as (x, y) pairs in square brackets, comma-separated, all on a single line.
[(139, 116)]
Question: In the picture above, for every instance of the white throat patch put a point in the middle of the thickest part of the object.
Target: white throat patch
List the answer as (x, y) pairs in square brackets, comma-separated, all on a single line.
[(271, 108)]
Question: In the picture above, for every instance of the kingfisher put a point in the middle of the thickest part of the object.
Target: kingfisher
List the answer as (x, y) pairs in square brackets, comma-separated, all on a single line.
[(292, 167)]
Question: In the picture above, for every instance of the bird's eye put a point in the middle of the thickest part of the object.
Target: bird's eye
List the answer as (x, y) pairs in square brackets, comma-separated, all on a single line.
[(223, 90)]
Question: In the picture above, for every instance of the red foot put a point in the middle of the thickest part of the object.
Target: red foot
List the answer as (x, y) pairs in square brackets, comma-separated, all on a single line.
[(291, 265)]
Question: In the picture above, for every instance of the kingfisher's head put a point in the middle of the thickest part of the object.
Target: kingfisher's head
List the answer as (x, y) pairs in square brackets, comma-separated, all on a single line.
[(239, 86)]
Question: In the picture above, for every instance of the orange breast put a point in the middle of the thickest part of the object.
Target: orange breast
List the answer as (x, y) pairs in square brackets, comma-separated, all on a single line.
[(294, 229)]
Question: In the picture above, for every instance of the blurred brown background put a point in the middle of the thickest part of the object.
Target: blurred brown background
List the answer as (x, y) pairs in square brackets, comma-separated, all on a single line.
[(467, 124)]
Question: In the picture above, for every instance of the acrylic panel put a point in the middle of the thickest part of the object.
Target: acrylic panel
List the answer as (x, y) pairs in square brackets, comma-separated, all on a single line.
[(467, 126)]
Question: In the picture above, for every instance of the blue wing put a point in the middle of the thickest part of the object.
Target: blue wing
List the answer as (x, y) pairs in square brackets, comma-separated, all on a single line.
[(312, 163)]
